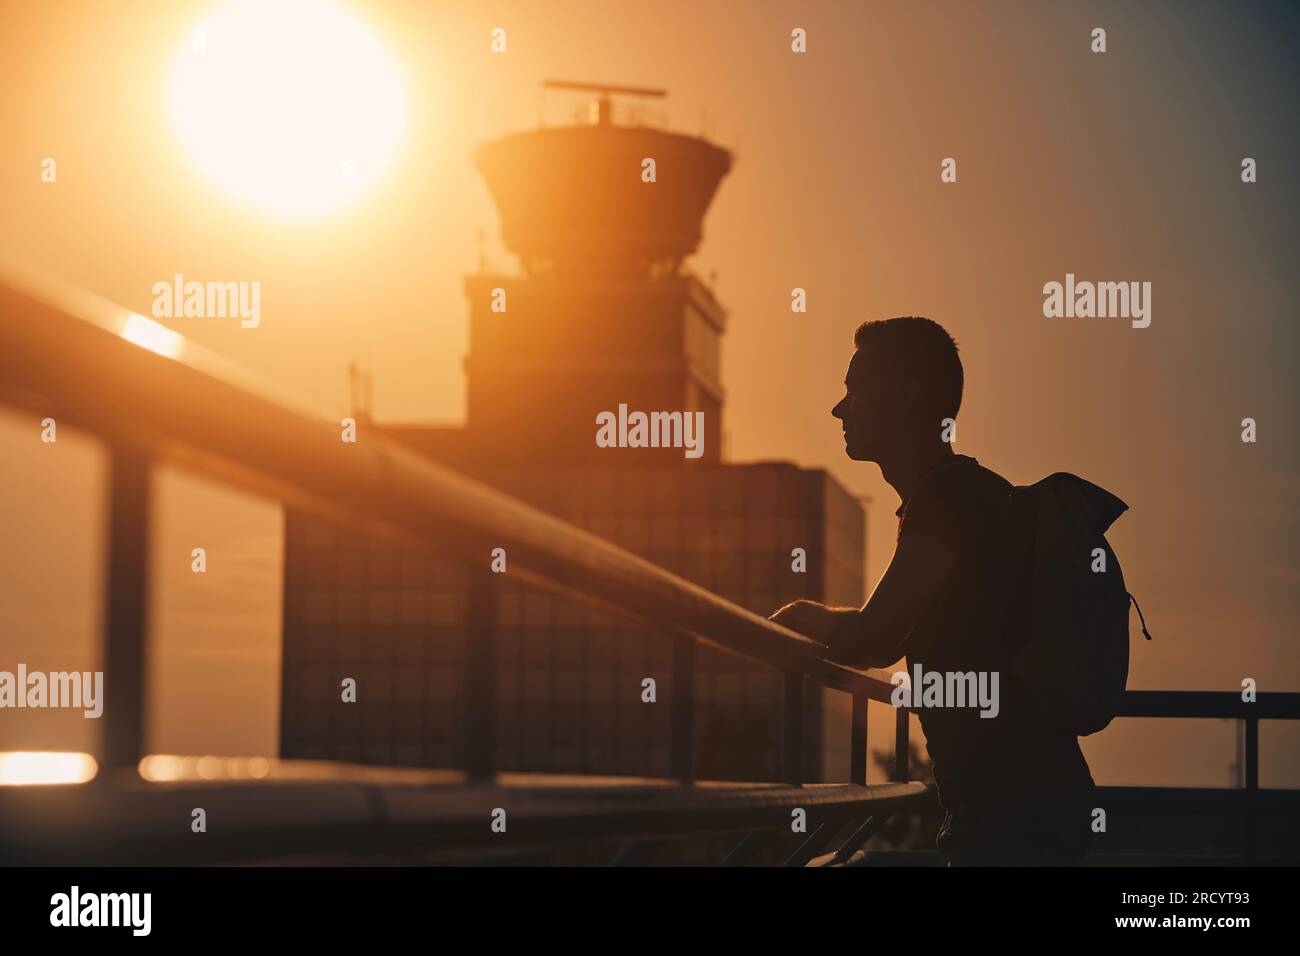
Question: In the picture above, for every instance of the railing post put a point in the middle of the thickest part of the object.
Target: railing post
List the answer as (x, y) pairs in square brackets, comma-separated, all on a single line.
[(682, 740), (126, 607), (858, 741), (902, 752), (480, 675), (792, 742), (1252, 783)]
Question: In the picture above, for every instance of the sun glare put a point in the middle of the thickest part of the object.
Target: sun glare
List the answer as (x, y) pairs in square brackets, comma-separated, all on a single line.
[(292, 106), (149, 334), (26, 767)]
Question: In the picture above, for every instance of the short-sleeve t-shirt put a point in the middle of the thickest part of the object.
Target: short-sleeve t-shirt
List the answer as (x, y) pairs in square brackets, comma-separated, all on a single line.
[(1013, 758)]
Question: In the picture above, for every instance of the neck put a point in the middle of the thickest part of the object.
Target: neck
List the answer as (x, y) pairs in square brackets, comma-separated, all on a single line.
[(903, 469)]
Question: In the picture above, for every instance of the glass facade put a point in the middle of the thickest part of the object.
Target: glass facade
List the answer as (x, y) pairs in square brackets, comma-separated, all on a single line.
[(569, 677)]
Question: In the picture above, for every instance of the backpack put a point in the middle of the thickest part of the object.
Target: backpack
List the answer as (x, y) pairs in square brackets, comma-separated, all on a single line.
[(1073, 614)]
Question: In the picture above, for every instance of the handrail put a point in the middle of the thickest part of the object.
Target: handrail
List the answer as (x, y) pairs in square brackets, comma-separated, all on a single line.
[(386, 812), (74, 356), (154, 395), (1223, 705)]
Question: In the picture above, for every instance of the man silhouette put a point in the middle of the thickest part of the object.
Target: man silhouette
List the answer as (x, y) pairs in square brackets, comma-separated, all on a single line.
[(1015, 790)]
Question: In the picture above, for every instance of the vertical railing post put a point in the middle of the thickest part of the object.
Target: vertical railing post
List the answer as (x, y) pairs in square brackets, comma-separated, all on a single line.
[(858, 741), (682, 740), (1252, 783), (902, 754), (126, 608), (480, 674), (792, 742)]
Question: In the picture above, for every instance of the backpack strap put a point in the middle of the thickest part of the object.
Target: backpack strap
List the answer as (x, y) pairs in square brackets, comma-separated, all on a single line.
[(1145, 632), (922, 481)]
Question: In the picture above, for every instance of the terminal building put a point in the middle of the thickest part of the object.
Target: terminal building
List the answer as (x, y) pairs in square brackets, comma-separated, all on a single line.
[(601, 313)]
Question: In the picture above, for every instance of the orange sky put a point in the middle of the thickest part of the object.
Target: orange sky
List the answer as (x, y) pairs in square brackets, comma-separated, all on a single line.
[(1121, 166)]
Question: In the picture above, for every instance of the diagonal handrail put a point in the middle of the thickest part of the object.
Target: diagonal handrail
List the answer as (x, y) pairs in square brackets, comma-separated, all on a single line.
[(81, 358)]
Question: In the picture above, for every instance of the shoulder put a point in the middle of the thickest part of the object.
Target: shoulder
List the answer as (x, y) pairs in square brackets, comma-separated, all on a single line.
[(967, 478), (955, 498), (962, 477)]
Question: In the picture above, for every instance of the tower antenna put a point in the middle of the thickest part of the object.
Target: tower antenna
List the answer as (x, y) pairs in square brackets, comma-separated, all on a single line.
[(602, 104)]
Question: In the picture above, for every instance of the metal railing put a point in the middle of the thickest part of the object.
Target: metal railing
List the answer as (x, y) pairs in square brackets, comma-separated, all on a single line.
[(152, 396), (1249, 801)]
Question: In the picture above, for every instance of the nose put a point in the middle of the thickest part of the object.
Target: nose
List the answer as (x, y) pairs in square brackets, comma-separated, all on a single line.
[(839, 409)]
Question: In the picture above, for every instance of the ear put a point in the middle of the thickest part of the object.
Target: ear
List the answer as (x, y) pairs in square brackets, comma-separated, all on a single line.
[(912, 392)]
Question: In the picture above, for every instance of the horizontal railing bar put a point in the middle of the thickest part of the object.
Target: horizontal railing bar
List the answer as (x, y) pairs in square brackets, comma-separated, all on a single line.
[(252, 820), (1198, 799), (124, 377), (1226, 704)]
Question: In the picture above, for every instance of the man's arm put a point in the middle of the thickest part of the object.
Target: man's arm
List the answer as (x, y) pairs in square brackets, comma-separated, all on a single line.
[(876, 634)]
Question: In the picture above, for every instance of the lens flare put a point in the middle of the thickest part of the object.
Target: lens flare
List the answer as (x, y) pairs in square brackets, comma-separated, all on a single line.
[(30, 767), (294, 107)]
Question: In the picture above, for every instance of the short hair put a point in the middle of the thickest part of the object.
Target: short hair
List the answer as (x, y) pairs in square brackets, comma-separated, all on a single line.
[(921, 349)]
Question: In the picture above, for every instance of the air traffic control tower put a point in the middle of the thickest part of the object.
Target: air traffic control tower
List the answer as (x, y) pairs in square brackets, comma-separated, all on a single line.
[(601, 313), (600, 217)]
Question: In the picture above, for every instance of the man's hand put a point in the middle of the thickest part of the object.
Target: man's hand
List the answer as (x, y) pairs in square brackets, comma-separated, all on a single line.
[(808, 618), (876, 635)]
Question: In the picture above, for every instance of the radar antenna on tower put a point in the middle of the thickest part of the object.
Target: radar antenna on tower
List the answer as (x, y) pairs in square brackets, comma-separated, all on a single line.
[(600, 107)]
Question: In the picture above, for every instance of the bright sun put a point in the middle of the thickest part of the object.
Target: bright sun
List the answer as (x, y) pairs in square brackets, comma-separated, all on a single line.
[(292, 106)]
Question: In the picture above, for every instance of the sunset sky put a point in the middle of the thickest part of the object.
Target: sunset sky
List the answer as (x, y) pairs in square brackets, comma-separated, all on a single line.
[(1122, 166)]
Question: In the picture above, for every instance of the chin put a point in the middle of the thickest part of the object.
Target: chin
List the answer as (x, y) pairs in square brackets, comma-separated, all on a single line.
[(859, 448), (856, 452)]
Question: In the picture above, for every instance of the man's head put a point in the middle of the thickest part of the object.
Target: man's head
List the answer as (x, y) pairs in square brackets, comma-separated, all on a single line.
[(904, 379)]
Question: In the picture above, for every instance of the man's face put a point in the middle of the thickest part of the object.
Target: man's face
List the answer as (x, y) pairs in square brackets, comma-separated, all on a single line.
[(871, 411)]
